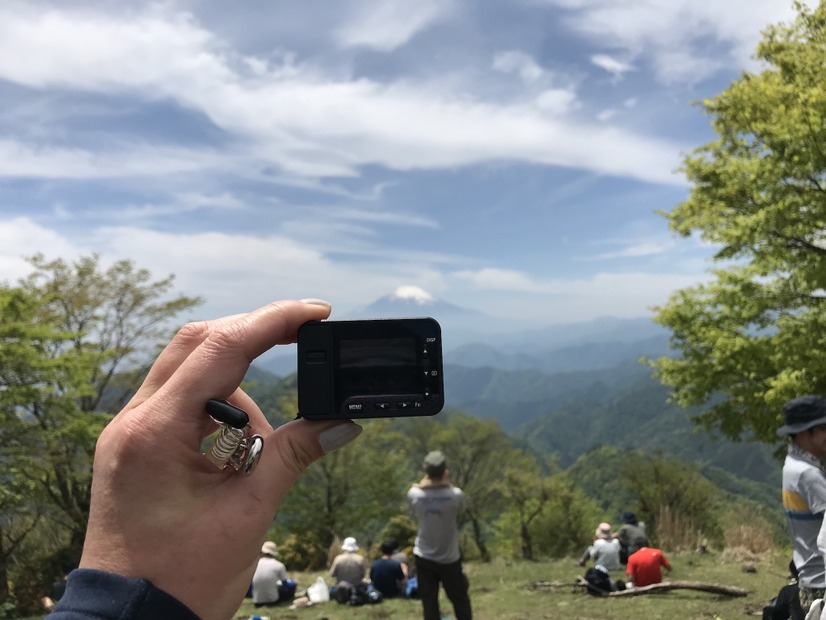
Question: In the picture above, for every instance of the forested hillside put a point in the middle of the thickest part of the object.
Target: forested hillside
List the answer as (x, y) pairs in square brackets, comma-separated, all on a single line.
[(586, 422), (568, 414)]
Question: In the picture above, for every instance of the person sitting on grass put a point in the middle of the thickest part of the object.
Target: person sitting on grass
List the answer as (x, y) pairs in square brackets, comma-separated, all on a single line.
[(605, 550), (386, 574), (643, 567), (269, 575)]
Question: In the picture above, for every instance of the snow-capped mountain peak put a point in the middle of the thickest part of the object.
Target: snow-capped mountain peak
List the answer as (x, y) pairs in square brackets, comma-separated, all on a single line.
[(415, 294)]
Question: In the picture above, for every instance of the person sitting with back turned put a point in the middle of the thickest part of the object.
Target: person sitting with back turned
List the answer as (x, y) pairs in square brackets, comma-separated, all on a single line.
[(269, 574), (605, 551), (386, 574), (399, 556), (349, 566), (170, 536), (631, 535), (644, 567)]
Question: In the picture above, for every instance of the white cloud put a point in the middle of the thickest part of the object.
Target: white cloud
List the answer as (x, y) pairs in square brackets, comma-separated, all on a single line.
[(18, 159), (556, 101), (519, 63), (389, 24), (678, 36), (636, 250), (499, 279), (615, 67), (302, 123), (235, 272), (620, 294), (20, 237)]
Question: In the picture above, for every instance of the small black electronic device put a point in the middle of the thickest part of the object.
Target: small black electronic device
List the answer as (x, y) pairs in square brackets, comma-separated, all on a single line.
[(374, 368)]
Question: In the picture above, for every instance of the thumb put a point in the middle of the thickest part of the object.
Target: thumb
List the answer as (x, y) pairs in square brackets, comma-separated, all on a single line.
[(293, 447)]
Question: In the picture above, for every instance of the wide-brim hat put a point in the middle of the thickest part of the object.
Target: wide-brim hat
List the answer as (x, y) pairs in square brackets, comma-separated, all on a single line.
[(269, 548), (802, 413), (603, 531), (349, 545)]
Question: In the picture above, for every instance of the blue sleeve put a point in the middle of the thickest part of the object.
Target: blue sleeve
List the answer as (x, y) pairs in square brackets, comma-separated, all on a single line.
[(98, 595)]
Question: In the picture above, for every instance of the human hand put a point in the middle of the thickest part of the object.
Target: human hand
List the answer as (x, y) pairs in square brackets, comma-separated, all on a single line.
[(159, 509)]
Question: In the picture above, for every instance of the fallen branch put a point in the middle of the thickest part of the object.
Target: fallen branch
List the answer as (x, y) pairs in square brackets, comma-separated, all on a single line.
[(548, 585), (664, 586)]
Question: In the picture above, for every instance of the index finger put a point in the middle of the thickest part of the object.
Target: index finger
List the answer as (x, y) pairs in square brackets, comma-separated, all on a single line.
[(216, 367)]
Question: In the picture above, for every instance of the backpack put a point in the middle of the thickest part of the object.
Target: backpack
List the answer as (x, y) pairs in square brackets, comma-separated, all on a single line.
[(785, 605), (286, 590), (343, 592), (599, 580)]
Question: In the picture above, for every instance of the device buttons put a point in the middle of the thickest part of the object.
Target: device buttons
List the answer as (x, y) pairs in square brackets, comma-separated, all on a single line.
[(382, 405), (355, 407), (404, 404)]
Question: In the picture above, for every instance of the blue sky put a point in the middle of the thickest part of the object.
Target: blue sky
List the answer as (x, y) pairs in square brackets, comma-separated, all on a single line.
[(503, 155)]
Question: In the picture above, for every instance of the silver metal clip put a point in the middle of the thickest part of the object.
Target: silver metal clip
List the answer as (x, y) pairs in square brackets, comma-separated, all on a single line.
[(233, 445)]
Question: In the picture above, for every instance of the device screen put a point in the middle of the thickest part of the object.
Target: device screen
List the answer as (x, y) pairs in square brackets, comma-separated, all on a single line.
[(376, 366)]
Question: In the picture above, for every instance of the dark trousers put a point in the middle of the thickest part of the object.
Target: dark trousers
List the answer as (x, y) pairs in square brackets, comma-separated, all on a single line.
[(430, 575)]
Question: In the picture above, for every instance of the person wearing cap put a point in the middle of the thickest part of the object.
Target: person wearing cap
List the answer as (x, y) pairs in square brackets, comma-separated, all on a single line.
[(605, 551), (804, 490), (631, 536), (349, 566), (269, 574), (437, 505)]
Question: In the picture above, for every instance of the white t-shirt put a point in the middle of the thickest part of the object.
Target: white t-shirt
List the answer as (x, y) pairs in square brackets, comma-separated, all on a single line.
[(804, 501)]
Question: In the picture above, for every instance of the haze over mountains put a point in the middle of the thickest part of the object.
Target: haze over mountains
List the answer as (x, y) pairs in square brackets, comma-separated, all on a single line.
[(475, 340)]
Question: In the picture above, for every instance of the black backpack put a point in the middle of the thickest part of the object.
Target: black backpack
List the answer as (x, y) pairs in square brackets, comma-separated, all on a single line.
[(599, 580)]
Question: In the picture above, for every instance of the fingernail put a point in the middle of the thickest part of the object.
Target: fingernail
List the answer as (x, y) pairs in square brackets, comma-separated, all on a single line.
[(338, 436), (316, 302)]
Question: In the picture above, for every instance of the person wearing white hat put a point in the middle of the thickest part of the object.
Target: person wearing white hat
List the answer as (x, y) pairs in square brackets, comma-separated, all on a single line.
[(269, 574), (804, 490), (605, 549), (349, 566)]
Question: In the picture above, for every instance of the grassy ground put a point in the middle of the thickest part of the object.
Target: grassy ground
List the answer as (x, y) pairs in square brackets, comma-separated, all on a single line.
[(502, 590)]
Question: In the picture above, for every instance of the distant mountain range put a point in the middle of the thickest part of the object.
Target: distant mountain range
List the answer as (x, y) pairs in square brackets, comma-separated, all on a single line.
[(475, 340)]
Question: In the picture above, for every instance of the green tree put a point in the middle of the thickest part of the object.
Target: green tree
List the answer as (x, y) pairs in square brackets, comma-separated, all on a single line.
[(351, 492), (38, 433), (76, 340), (752, 337), (669, 492), (563, 526), (526, 491), (477, 453)]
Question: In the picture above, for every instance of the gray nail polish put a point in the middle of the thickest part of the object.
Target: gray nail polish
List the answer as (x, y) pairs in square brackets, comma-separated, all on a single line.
[(338, 436)]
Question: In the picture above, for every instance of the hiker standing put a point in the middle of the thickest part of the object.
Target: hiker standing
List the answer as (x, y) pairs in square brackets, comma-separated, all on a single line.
[(437, 505)]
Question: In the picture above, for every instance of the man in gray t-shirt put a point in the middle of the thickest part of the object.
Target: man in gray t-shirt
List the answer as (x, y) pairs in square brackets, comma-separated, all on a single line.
[(437, 504), (804, 490)]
